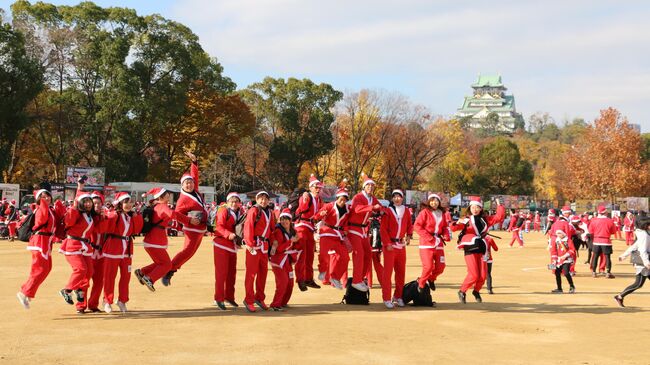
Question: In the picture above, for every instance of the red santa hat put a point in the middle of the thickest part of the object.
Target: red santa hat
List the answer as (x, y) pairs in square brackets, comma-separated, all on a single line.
[(475, 201), (602, 209), (342, 192), (37, 193), (97, 194), (13, 202), (313, 181), (232, 195), (286, 213), (343, 184), (185, 177), (398, 191), (157, 192), (432, 196), (261, 192), (551, 212), (81, 195), (575, 219), (121, 196), (566, 209), (367, 180)]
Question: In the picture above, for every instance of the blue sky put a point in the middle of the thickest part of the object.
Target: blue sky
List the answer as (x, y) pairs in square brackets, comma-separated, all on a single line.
[(567, 58)]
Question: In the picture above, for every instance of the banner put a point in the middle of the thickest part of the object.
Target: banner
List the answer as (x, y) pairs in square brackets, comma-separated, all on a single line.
[(636, 203), (96, 175)]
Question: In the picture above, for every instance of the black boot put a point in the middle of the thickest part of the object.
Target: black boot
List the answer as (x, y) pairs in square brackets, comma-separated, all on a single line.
[(167, 279), (66, 296), (80, 296), (312, 284), (302, 286), (462, 297), (477, 296)]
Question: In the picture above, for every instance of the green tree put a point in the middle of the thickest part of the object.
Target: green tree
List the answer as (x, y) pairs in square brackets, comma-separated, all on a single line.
[(645, 153), (502, 171), (573, 131)]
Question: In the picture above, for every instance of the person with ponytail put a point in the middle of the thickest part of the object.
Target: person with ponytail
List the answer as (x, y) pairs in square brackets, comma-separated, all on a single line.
[(431, 226)]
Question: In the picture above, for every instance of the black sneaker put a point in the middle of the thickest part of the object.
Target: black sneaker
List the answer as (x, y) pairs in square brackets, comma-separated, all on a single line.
[(80, 295), (302, 286), (477, 296), (572, 290), (138, 274), (232, 303), (94, 310), (277, 309), (148, 283), (462, 297), (312, 284), (619, 300), (557, 291), (220, 305), (66, 296), (167, 279), (432, 285)]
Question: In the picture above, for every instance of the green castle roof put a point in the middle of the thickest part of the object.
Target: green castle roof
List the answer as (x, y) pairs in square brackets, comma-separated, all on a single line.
[(488, 80)]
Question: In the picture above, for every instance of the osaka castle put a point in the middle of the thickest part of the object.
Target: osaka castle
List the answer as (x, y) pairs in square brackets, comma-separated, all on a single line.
[(489, 96)]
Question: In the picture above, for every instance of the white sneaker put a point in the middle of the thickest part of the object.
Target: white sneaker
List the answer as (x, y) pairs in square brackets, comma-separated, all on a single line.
[(400, 302), (22, 298), (337, 284), (107, 308), (389, 304), (321, 276), (122, 306), (360, 286)]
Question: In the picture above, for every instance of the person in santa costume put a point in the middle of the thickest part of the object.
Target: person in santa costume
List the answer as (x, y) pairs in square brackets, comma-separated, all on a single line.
[(515, 226), (550, 219), (81, 222), (258, 228), (396, 234), (226, 243), (363, 205), (155, 241), (602, 228), (334, 233), (563, 255), (490, 245), (628, 228), (46, 219), (281, 257), (431, 225), (191, 204), (11, 219), (96, 241), (474, 229), (537, 222), (529, 220), (120, 225), (309, 204), (616, 218)]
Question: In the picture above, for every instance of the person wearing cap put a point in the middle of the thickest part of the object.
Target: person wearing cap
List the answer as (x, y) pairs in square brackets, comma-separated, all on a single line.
[(120, 225), (396, 233), (190, 203), (563, 254), (432, 227), (225, 251), (96, 241), (363, 205), (155, 241), (309, 204), (474, 229), (281, 257), (516, 224), (258, 228), (81, 222), (628, 228), (334, 233), (602, 228), (11, 219), (46, 219)]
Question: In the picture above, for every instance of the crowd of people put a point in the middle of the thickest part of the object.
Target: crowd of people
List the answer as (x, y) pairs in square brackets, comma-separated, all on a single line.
[(97, 242)]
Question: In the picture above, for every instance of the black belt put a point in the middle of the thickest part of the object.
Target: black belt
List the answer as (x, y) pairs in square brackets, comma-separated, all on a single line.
[(117, 236), (334, 227), (397, 240), (43, 233), (84, 240), (262, 238), (358, 225)]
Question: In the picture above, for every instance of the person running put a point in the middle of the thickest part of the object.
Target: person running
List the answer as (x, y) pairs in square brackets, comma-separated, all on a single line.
[(282, 255), (563, 255), (309, 204), (431, 226), (602, 228), (46, 219), (226, 243), (640, 260), (190, 203), (515, 226), (474, 228)]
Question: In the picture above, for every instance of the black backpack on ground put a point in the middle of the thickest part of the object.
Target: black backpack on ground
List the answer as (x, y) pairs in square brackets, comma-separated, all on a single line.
[(147, 220), (354, 296), (411, 293)]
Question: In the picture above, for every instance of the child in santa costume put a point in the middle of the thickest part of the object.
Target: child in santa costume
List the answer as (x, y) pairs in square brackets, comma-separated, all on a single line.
[(309, 204), (563, 255), (46, 218), (11, 219), (190, 204), (602, 228), (155, 241), (257, 234), (628, 228), (334, 233), (431, 225), (120, 225), (363, 205), (282, 255), (226, 243), (81, 222), (474, 229), (396, 233)]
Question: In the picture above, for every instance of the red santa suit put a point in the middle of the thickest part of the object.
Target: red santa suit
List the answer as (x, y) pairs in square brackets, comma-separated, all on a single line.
[(46, 219), (11, 214), (282, 261), (602, 228), (537, 222), (118, 250), (308, 206), (334, 233), (617, 222), (395, 226), (628, 228), (257, 233), (96, 241), (360, 210), (225, 254), (516, 229), (190, 202), (431, 226)]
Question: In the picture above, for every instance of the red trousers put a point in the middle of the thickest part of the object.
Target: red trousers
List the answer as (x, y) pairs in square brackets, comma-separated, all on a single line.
[(283, 285), (41, 267), (255, 279), (379, 268), (629, 238), (225, 272), (476, 272), (361, 257), (515, 237), (161, 263), (536, 226), (305, 264), (433, 265), (82, 271), (338, 264), (394, 260), (111, 266), (192, 243), (12, 229), (98, 283), (323, 258)]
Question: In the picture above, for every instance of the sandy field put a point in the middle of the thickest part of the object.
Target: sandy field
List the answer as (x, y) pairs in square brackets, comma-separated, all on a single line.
[(522, 323)]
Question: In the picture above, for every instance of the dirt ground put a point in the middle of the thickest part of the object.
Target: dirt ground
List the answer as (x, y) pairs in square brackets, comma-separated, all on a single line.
[(522, 323)]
